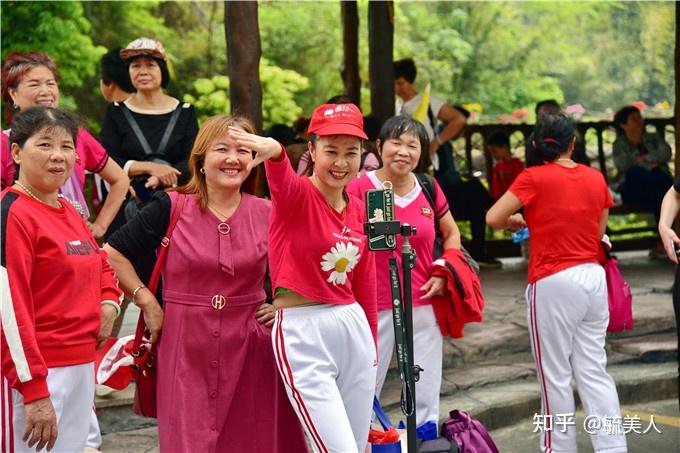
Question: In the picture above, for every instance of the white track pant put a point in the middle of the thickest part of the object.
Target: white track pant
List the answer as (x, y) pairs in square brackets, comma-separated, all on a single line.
[(72, 395), (326, 358), (94, 435), (427, 344), (568, 314)]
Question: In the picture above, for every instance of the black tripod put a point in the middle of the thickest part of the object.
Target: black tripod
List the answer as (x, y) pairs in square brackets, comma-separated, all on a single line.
[(402, 316)]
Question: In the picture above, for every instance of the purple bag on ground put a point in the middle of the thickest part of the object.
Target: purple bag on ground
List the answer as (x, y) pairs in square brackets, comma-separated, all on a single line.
[(619, 295), (468, 433)]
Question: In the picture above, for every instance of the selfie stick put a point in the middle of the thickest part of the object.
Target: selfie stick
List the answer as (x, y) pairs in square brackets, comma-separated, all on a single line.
[(402, 310)]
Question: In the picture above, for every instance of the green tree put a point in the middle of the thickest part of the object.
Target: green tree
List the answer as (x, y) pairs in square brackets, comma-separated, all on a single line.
[(279, 86), (308, 41)]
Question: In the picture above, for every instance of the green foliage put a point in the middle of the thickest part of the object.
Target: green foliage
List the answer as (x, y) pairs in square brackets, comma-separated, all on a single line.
[(211, 96), (306, 38), (502, 55), (279, 89), (508, 55), (58, 28)]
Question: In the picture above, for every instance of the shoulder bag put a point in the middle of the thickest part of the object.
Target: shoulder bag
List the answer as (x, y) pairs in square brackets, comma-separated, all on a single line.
[(144, 367)]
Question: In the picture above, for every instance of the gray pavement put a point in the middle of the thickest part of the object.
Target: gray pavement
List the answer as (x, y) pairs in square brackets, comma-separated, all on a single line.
[(490, 372)]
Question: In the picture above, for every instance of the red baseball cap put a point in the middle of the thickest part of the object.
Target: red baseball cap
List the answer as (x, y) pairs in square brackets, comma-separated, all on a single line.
[(337, 119)]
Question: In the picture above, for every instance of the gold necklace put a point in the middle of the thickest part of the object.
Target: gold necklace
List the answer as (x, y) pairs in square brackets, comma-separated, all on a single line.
[(32, 195), (223, 227)]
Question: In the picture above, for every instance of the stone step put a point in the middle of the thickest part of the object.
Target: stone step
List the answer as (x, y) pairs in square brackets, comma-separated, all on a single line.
[(507, 403), (503, 359)]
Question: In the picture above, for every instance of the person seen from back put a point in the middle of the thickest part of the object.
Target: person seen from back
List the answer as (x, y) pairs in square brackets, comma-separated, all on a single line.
[(567, 304)]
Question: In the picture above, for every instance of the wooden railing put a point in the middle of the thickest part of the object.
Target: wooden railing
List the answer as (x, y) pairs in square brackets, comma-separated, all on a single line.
[(475, 135), (599, 127)]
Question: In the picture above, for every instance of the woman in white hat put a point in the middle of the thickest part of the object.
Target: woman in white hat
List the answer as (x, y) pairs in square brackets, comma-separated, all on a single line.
[(150, 134)]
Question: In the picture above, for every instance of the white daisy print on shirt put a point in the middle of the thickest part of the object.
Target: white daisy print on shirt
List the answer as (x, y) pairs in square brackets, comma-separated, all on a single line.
[(341, 259)]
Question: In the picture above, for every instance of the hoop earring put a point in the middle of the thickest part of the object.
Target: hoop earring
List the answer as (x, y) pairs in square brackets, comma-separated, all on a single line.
[(202, 170)]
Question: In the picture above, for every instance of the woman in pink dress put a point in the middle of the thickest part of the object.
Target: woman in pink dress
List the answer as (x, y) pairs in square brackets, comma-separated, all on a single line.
[(218, 389)]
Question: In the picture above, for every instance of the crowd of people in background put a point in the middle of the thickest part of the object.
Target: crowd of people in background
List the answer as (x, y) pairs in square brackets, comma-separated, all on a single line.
[(274, 309)]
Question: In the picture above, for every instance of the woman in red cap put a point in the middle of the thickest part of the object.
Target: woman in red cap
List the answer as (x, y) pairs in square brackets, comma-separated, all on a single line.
[(324, 280)]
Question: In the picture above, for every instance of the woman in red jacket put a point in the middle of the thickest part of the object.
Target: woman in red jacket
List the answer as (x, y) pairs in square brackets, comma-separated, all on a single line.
[(60, 296), (566, 206)]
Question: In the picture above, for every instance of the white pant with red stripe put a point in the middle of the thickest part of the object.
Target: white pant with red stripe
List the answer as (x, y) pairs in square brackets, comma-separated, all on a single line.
[(568, 314), (427, 346), (327, 359), (72, 395)]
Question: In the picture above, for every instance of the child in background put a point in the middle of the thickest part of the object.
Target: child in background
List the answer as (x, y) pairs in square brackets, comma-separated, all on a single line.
[(506, 168)]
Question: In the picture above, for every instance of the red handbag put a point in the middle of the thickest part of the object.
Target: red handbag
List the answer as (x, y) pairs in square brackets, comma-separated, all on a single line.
[(144, 367)]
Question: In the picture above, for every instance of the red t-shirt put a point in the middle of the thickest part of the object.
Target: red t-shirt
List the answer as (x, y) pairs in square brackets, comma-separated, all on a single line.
[(503, 174), (562, 207), (313, 249)]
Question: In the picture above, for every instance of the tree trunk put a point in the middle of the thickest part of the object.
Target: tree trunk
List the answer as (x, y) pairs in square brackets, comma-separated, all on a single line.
[(243, 60), (350, 42), (381, 71)]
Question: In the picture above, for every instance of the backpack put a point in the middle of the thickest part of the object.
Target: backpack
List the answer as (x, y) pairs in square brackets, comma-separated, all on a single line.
[(427, 185), (469, 434)]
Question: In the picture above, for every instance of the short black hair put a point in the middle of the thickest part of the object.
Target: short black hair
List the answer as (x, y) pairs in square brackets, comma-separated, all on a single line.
[(114, 70), (372, 127), (553, 104), (552, 135), (281, 133), (343, 99), (34, 119), (498, 138), (165, 74), (399, 125), (621, 117), (406, 69)]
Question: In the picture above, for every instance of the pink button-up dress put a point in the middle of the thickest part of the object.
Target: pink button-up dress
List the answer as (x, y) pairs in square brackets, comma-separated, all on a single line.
[(218, 385)]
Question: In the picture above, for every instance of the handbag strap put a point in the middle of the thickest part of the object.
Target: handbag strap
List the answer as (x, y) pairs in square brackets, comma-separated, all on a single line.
[(140, 135), (169, 129), (175, 213), (606, 250), (380, 414), (135, 128), (427, 184)]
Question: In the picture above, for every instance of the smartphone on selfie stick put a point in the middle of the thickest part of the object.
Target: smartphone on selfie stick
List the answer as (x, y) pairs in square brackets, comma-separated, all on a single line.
[(382, 231)]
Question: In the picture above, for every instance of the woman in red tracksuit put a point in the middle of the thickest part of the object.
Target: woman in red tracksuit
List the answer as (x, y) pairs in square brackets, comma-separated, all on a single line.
[(60, 296), (566, 206)]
